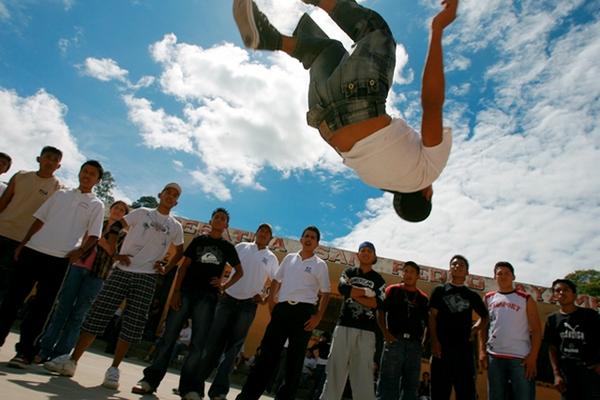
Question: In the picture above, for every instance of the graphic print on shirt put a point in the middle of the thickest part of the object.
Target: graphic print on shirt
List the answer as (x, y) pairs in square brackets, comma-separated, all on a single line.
[(572, 340), (456, 303), (209, 255), (356, 309)]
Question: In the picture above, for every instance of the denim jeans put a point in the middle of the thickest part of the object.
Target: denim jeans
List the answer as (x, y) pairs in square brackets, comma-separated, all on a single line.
[(200, 307), (227, 334), (400, 370), (346, 89), (75, 298), (507, 375)]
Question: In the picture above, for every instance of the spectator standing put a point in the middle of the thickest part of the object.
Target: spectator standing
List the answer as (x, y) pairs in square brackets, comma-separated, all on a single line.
[(299, 282), (573, 338), (133, 280), (451, 328), (510, 346), (353, 344), (54, 239), (403, 319), (25, 193)]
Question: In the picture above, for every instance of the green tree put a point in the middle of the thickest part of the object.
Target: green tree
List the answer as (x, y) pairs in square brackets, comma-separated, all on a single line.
[(145, 201), (104, 189), (587, 281)]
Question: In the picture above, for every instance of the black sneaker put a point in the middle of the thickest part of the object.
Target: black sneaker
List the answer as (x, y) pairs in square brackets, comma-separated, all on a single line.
[(256, 30), (19, 361)]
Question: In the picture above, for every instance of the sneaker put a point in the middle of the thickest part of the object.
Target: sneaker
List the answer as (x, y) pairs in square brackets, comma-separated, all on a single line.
[(192, 396), (63, 365), (256, 30), (111, 378), (142, 387), (19, 361)]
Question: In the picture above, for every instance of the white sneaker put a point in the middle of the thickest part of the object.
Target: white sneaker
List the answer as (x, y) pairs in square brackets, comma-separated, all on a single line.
[(111, 378), (63, 365), (192, 396)]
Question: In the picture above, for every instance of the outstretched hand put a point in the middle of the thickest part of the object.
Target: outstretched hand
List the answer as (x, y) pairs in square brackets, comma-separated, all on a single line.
[(446, 16)]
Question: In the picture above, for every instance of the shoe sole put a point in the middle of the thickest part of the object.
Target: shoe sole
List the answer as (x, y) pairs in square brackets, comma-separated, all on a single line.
[(139, 390), (244, 18), (109, 385), (17, 365), (58, 370)]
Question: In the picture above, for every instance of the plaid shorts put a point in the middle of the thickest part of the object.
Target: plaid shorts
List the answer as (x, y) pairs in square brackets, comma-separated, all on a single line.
[(137, 290), (348, 88)]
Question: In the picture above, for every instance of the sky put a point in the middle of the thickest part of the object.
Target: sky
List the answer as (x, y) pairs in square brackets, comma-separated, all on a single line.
[(162, 91)]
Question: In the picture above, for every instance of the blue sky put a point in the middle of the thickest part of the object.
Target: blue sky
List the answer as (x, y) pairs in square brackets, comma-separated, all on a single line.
[(162, 91)]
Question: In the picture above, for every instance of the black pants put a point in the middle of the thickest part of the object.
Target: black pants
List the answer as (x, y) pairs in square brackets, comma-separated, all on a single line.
[(582, 382), (31, 268), (7, 264), (456, 368), (287, 323)]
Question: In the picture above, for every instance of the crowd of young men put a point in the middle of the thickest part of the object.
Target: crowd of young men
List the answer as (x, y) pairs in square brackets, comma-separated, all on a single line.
[(56, 239)]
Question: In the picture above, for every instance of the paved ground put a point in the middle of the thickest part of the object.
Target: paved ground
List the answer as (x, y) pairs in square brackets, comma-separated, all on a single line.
[(37, 383)]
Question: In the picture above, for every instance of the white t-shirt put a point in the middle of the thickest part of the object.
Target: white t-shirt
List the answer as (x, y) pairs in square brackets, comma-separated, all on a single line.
[(508, 331), (149, 236), (257, 266), (302, 280), (67, 216), (394, 158)]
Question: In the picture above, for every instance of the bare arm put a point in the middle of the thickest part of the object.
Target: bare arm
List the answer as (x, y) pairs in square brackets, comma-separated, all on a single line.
[(559, 382), (358, 294), (436, 347), (172, 262), (181, 272), (8, 194), (535, 327), (239, 272), (314, 320), (88, 243), (433, 84), (273, 294), (388, 337), (35, 227)]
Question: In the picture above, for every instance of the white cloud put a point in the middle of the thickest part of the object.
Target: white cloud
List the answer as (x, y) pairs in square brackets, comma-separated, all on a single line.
[(4, 14), (521, 185), (68, 4), (29, 123), (64, 44), (265, 107), (104, 69)]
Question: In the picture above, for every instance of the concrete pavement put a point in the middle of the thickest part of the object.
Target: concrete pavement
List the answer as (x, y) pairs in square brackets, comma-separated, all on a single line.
[(36, 383)]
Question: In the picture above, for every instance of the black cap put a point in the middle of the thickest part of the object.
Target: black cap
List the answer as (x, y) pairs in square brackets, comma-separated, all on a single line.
[(412, 207)]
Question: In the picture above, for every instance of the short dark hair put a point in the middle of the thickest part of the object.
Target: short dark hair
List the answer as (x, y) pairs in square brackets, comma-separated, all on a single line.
[(504, 264), (460, 257), (51, 149), (313, 229), (220, 210), (95, 164), (120, 202), (7, 158), (413, 265), (412, 207), (567, 282)]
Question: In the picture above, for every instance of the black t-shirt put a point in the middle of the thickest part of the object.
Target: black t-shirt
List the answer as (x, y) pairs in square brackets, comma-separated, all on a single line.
[(406, 312), (455, 306), (575, 335), (353, 314), (209, 256)]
